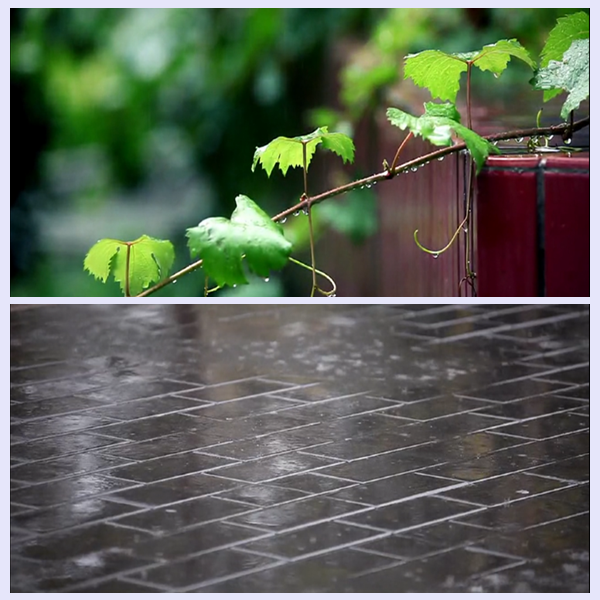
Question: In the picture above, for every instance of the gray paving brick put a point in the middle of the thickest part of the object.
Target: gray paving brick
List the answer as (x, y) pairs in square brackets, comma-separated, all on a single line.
[(309, 540), (302, 511), (322, 573)]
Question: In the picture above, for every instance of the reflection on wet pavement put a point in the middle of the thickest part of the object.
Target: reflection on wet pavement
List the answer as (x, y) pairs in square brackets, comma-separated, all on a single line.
[(282, 448)]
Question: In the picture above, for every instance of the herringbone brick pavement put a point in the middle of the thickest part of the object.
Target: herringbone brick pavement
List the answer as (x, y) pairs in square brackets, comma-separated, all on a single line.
[(282, 448)]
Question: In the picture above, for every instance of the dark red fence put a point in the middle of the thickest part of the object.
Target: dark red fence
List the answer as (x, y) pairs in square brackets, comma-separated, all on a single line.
[(533, 226), (531, 234)]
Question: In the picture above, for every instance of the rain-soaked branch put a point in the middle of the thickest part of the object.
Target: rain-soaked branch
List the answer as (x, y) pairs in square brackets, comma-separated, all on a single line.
[(425, 158), (387, 174)]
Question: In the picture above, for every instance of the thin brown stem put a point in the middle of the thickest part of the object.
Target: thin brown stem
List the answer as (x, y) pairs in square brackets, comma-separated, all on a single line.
[(304, 169), (127, 260), (469, 67), (171, 279), (310, 225), (469, 275), (395, 161)]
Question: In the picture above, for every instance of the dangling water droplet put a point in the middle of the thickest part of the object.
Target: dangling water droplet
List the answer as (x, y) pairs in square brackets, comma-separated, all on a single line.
[(374, 183), (435, 255), (174, 281), (235, 285), (296, 213), (441, 158), (496, 75), (414, 169), (283, 220), (368, 186), (519, 140), (466, 229), (332, 295), (266, 280), (567, 140), (305, 211), (495, 142)]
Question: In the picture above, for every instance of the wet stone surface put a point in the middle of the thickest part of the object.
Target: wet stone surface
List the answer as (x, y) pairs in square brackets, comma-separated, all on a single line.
[(282, 448)]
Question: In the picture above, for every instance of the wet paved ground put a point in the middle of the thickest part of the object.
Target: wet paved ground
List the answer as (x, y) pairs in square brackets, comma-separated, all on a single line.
[(300, 448)]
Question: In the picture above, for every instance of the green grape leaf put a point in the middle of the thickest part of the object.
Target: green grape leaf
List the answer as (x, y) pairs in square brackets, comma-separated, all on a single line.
[(287, 152), (495, 57), (572, 74), (223, 244), (440, 72), (99, 258), (437, 71), (438, 124), (149, 261), (341, 144), (567, 29)]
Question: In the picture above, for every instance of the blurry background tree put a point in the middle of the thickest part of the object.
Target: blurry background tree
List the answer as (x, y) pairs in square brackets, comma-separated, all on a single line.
[(132, 121)]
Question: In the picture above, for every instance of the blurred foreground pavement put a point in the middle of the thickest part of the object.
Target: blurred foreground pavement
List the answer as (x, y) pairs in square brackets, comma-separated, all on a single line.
[(283, 448)]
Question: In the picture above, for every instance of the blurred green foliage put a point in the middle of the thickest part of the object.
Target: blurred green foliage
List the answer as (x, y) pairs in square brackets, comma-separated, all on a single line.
[(146, 120)]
